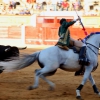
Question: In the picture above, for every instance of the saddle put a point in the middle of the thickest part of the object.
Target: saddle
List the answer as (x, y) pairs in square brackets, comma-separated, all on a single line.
[(74, 48)]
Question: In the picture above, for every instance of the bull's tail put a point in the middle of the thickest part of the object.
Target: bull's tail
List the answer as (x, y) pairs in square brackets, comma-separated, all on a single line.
[(19, 63)]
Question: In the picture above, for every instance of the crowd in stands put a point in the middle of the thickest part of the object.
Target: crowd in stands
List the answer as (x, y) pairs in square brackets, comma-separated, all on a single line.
[(22, 7)]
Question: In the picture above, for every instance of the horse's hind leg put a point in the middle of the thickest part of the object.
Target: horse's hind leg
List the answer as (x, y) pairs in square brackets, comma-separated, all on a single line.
[(36, 82), (41, 74), (52, 85)]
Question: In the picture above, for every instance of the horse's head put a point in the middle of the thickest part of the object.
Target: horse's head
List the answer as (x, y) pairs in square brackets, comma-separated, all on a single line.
[(93, 42)]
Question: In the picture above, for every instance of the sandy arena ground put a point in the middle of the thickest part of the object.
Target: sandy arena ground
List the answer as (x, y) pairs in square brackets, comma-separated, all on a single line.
[(13, 86)]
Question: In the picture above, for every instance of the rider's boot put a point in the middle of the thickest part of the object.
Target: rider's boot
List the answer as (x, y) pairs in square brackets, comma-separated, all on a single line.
[(82, 59)]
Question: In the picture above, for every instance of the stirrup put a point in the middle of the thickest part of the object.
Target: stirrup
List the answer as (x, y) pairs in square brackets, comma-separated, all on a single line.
[(79, 73), (84, 61)]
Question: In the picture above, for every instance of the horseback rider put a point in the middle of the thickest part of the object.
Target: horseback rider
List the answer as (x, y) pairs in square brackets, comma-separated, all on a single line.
[(65, 40)]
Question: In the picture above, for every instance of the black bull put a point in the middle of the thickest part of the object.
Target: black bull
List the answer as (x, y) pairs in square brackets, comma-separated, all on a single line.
[(8, 51)]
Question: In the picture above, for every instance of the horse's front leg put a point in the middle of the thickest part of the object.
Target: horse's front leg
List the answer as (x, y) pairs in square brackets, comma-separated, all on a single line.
[(94, 85), (87, 73)]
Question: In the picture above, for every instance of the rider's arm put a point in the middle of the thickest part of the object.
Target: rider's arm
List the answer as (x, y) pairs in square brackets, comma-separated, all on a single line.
[(67, 24), (59, 32)]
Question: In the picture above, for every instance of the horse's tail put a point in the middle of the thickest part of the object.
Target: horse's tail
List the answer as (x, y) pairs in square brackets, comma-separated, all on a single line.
[(19, 63)]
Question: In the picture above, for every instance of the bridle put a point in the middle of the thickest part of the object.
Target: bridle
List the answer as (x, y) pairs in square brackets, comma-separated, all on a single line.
[(92, 44), (94, 47)]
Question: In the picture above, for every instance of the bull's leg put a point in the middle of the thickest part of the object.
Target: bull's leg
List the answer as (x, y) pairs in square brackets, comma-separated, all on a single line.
[(1, 71)]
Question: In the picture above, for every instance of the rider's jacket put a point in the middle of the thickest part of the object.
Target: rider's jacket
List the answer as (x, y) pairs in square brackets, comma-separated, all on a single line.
[(64, 33)]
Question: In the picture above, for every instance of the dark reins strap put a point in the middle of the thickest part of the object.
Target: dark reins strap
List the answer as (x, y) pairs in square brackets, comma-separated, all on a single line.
[(92, 50), (92, 45)]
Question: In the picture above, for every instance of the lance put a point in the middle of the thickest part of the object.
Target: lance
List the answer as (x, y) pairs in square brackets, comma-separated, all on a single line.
[(80, 22)]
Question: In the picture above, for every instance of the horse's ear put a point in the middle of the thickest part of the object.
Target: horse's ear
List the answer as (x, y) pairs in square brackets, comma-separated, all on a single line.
[(79, 39)]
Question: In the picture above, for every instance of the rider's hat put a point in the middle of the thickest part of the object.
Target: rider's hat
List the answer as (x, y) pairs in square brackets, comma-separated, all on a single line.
[(62, 20)]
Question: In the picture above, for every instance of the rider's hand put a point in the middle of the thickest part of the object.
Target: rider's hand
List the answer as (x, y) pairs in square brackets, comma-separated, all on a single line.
[(78, 19)]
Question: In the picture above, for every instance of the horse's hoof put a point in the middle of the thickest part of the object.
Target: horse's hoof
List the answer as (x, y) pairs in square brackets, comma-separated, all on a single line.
[(99, 94), (79, 98), (51, 88), (32, 87)]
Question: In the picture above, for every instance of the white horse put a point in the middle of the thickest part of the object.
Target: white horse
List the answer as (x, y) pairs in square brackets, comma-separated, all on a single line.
[(52, 58)]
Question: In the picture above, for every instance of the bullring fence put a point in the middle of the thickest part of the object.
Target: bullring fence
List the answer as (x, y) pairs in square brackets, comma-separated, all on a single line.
[(41, 30)]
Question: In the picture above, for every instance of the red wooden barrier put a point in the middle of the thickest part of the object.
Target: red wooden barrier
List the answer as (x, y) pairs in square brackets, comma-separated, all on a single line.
[(14, 32), (10, 32), (33, 35), (46, 30), (4, 31)]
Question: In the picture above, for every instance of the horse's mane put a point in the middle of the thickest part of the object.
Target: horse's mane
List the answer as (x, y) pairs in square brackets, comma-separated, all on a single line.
[(91, 34)]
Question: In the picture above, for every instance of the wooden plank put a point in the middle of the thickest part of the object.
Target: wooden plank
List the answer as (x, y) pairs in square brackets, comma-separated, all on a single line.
[(14, 32)]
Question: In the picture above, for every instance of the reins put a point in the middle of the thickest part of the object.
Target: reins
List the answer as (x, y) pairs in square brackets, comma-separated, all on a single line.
[(93, 46)]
